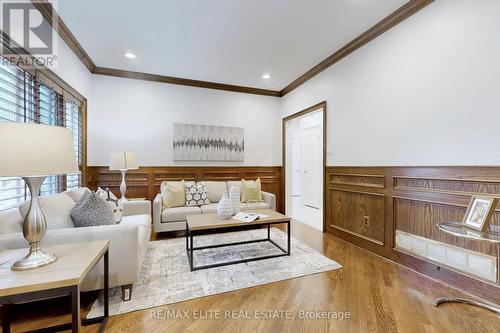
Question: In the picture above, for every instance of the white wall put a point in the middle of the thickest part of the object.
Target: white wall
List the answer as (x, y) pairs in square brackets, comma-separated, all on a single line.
[(427, 92), (73, 71), (137, 115)]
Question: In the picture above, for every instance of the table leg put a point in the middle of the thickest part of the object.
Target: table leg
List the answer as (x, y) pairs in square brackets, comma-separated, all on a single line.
[(191, 264), (106, 284), (75, 309), (268, 231), (187, 238), (6, 318), (289, 237), (442, 300)]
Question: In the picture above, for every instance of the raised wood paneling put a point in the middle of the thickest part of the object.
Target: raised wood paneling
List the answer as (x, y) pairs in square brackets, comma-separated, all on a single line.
[(145, 182), (359, 213), (455, 186), (414, 200), (420, 218), (359, 180)]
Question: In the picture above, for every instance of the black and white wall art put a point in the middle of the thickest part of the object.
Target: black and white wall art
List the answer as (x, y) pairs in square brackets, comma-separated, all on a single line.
[(208, 143)]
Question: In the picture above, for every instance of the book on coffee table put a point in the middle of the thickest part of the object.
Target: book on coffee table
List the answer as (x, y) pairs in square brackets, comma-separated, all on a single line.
[(248, 217)]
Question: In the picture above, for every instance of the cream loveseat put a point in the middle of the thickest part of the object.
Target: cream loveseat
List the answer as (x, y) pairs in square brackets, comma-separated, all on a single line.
[(128, 240), (172, 219)]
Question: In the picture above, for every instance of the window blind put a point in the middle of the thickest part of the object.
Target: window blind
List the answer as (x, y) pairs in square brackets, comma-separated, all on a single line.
[(32, 98)]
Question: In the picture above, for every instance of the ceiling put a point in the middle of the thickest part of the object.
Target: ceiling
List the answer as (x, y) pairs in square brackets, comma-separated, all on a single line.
[(224, 41)]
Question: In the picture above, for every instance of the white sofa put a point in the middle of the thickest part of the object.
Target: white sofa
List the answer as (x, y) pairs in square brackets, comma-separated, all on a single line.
[(128, 240), (172, 219)]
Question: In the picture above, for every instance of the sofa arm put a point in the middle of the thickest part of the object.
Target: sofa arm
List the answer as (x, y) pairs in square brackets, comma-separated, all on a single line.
[(137, 207), (157, 206), (270, 199), (124, 256)]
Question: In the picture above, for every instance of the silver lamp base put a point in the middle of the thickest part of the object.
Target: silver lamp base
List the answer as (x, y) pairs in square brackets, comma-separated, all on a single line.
[(34, 227), (34, 259)]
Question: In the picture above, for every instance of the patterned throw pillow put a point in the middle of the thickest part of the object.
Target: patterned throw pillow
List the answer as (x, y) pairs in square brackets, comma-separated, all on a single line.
[(91, 210), (112, 202), (196, 194)]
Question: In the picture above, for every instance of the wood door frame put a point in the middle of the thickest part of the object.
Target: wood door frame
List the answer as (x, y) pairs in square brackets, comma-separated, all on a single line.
[(315, 107)]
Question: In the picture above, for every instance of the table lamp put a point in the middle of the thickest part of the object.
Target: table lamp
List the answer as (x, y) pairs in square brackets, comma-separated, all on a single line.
[(123, 161), (33, 152)]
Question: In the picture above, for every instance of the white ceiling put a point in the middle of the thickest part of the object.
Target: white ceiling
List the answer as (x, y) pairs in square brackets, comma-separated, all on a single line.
[(226, 41)]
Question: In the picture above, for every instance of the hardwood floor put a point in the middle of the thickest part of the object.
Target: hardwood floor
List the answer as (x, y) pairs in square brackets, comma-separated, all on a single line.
[(381, 297)]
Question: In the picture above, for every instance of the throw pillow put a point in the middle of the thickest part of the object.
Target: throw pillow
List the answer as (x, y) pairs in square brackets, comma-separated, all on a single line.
[(250, 191), (196, 194), (91, 210), (173, 194), (113, 203)]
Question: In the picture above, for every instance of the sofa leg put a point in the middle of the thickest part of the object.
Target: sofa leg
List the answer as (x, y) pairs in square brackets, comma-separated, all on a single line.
[(127, 292)]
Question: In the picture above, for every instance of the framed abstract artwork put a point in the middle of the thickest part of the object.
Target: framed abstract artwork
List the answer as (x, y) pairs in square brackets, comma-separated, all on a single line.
[(208, 143), (479, 212)]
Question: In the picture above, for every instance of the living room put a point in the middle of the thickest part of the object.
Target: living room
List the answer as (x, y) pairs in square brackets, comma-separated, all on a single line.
[(231, 166)]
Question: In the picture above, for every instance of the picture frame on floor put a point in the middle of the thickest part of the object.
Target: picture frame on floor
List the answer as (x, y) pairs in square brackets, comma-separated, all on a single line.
[(479, 212)]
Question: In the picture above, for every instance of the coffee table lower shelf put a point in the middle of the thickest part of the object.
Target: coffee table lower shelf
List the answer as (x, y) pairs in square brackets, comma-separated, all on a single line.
[(190, 248)]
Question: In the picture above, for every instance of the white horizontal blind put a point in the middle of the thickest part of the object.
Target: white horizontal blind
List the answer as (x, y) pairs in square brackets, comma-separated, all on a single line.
[(25, 99)]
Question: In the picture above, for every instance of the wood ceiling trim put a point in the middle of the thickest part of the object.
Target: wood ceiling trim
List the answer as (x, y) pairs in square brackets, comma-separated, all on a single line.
[(47, 11), (396, 17), (402, 13), (184, 82)]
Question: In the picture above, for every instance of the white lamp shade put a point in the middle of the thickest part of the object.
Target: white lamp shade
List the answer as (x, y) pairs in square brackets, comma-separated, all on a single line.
[(123, 160), (36, 150)]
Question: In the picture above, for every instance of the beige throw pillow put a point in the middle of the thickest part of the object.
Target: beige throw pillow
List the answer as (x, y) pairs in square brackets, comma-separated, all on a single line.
[(250, 191), (173, 193)]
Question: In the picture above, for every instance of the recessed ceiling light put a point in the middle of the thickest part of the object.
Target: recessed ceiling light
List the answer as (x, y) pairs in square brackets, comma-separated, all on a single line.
[(130, 55), (266, 76)]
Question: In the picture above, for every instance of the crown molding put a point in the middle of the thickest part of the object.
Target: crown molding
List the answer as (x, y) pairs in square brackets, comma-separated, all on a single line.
[(396, 17), (185, 82), (62, 29)]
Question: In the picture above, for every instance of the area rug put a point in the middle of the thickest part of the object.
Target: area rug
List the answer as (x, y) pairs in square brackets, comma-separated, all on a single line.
[(166, 278)]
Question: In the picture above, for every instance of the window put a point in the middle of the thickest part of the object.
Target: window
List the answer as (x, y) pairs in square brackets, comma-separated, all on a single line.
[(31, 97)]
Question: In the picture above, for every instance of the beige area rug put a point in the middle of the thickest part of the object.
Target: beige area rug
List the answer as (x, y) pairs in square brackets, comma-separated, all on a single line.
[(166, 278)]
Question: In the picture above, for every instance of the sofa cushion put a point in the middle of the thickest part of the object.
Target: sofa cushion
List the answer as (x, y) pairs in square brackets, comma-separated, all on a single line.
[(196, 194), (10, 221), (112, 202), (77, 193), (209, 209), (215, 190), (56, 208), (250, 191), (254, 205), (232, 183), (92, 210), (178, 213), (173, 193)]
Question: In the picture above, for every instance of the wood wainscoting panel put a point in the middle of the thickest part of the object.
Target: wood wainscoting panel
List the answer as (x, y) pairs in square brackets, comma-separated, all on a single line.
[(420, 218), (412, 200), (145, 182), (359, 180), (358, 213)]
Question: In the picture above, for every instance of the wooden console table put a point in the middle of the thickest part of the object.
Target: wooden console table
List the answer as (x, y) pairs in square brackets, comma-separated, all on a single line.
[(461, 230), (61, 278)]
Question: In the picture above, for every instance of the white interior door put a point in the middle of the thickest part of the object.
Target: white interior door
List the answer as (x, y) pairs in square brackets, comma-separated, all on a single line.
[(312, 164), (296, 167)]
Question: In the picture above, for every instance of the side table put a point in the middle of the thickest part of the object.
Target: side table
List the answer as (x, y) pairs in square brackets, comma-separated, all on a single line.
[(61, 278), (461, 230)]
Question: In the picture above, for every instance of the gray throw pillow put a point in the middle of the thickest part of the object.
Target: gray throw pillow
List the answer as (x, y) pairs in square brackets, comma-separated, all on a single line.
[(91, 210)]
